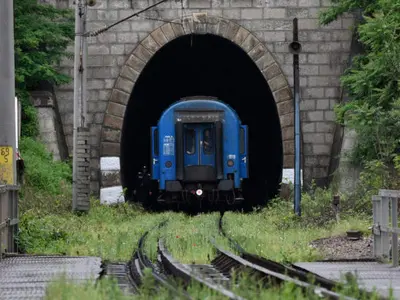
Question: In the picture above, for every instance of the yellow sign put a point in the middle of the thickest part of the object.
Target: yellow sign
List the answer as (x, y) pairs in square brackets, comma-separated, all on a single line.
[(6, 165)]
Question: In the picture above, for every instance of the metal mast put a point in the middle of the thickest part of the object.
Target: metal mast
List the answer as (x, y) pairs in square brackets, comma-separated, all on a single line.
[(295, 48)]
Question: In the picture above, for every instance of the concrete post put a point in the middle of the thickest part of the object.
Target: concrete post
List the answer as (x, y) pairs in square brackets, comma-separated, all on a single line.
[(7, 100), (80, 198)]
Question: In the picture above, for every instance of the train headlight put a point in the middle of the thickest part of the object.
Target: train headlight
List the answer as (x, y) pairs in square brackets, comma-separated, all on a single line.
[(230, 163), (199, 192), (168, 164)]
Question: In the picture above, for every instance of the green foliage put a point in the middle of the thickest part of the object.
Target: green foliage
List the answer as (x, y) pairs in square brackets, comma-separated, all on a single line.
[(104, 289), (375, 176), (247, 286), (47, 184), (372, 81), (29, 119), (42, 34), (113, 232), (41, 171), (345, 6)]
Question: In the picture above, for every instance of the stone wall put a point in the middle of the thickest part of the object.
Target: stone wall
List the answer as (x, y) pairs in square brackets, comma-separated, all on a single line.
[(325, 52), (50, 126)]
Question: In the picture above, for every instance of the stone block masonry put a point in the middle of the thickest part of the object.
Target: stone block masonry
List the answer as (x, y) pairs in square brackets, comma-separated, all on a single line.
[(83, 164), (50, 125), (111, 73)]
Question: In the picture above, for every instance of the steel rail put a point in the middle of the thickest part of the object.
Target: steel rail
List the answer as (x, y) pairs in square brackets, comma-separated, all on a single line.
[(276, 271), (139, 262), (233, 261), (188, 274), (291, 271)]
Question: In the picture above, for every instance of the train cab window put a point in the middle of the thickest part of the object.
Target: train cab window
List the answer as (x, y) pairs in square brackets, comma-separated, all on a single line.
[(155, 141), (208, 141), (190, 141), (242, 141)]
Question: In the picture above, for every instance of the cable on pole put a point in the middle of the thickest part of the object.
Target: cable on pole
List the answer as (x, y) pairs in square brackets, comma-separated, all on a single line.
[(101, 30)]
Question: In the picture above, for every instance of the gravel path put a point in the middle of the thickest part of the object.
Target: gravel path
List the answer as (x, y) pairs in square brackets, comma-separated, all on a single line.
[(340, 247)]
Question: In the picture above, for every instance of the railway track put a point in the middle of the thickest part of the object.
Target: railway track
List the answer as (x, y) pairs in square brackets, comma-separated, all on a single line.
[(218, 275), (278, 273), (130, 275)]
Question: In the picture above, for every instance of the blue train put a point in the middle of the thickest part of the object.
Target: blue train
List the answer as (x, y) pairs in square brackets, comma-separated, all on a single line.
[(199, 151)]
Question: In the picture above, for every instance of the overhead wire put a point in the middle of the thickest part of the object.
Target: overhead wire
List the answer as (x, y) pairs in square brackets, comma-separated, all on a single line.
[(101, 30)]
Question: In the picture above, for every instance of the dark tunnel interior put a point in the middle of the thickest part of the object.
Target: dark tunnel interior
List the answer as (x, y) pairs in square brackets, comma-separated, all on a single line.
[(205, 65)]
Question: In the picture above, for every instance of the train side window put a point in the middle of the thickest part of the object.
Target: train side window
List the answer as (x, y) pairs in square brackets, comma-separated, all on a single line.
[(155, 141), (242, 141), (208, 141), (190, 141)]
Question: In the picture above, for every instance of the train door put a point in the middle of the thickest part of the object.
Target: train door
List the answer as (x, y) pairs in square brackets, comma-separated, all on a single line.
[(199, 144)]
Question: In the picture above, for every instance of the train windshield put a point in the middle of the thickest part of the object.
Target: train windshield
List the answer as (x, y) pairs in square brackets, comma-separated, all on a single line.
[(208, 141), (190, 137)]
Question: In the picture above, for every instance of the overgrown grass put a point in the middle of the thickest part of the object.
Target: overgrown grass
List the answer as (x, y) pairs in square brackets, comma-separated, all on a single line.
[(112, 232), (109, 232), (247, 287), (47, 186), (49, 227), (188, 237)]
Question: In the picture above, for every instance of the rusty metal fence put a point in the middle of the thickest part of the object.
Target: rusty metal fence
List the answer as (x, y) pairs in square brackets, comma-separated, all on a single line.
[(385, 228), (8, 219)]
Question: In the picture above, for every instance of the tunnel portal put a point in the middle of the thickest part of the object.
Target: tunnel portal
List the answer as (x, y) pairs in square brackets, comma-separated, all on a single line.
[(206, 65)]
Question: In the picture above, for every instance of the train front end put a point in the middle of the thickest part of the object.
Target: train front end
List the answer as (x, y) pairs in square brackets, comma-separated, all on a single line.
[(199, 153)]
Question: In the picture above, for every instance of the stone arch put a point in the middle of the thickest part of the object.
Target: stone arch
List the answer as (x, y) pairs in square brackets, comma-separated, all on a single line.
[(197, 23)]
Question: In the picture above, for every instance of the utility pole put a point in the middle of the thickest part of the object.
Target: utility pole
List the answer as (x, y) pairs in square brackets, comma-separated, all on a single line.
[(81, 156), (7, 89), (8, 132), (295, 48)]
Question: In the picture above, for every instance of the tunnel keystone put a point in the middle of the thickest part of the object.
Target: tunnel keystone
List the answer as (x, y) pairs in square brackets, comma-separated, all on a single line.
[(200, 23)]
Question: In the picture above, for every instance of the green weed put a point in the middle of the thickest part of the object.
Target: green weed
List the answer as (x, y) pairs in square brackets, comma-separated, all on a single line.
[(47, 184), (247, 286)]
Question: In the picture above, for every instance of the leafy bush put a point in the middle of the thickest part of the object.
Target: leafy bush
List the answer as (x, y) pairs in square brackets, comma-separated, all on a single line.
[(42, 34), (40, 169), (372, 81)]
